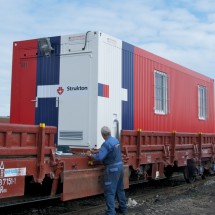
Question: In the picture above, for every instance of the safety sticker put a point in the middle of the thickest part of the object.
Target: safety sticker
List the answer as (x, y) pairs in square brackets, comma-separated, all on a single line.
[(14, 172)]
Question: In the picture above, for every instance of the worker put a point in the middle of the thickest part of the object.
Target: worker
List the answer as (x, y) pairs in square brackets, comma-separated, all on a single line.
[(110, 155)]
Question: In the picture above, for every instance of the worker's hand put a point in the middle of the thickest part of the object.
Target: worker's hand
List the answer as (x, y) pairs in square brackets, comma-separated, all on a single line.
[(89, 153), (94, 151)]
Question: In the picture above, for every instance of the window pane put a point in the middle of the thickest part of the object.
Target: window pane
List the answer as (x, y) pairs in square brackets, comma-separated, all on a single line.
[(202, 96), (160, 92)]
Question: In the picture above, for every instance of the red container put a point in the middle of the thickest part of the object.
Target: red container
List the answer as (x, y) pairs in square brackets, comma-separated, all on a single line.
[(137, 69), (182, 85)]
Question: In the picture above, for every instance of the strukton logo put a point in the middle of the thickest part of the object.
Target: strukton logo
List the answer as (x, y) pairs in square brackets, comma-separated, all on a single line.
[(60, 90), (69, 88)]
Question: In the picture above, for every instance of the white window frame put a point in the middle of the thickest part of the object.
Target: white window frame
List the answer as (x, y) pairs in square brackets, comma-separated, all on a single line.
[(202, 102), (160, 92)]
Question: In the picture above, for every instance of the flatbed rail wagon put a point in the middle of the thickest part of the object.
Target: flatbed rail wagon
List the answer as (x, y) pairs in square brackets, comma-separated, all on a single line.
[(162, 113), (31, 166)]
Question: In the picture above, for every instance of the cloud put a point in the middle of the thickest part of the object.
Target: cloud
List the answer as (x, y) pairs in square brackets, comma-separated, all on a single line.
[(182, 31)]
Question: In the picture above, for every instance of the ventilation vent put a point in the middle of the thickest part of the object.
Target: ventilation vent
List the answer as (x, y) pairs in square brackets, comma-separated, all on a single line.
[(71, 135)]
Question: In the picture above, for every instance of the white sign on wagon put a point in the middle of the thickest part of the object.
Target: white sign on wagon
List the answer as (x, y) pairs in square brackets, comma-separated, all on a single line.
[(15, 172)]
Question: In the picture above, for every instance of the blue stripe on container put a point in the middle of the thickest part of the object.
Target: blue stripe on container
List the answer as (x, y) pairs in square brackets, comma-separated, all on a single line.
[(100, 89), (128, 83), (48, 71)]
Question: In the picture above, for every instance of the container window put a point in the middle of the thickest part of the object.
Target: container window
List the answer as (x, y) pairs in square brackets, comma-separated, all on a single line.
[(202, 102), (160, 93)]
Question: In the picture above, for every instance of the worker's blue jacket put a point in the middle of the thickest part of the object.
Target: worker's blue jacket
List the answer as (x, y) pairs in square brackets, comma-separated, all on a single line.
[(110, 152)]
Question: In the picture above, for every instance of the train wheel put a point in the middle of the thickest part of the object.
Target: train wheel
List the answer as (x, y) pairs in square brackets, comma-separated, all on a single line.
[(189, 173)]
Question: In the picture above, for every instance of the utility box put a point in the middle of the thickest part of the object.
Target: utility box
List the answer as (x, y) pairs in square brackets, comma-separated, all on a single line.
[(81, 82)]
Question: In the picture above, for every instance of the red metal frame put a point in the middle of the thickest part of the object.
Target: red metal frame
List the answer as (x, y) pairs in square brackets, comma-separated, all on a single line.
[(161, 149), (28, 148), (31, 149)]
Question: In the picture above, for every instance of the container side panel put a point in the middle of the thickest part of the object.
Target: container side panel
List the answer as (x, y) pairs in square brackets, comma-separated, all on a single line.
[(182, 90), (48, 74), (109, 83), (48, 112), (142, 91), (128, 83), (23, 87)]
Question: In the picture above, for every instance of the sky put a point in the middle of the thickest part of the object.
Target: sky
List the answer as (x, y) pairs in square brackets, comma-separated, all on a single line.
[(182, 31)]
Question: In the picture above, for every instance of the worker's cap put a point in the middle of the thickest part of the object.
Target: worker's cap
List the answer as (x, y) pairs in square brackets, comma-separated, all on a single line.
[(105, 130)]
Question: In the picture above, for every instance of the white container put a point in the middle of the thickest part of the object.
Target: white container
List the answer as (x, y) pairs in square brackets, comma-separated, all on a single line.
[(83, 107)]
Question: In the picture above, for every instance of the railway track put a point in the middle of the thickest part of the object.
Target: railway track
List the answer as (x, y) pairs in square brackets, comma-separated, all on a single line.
[(150, 191), (23, 201)]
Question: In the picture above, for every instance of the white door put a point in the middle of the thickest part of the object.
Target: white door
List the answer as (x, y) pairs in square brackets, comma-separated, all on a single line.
[(75, 100)]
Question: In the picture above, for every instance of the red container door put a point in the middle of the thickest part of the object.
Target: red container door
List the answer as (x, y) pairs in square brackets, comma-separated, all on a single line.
[(23, 90)]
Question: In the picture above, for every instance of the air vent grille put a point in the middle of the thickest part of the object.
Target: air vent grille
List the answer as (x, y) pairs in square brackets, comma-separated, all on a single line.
[(71, 135)]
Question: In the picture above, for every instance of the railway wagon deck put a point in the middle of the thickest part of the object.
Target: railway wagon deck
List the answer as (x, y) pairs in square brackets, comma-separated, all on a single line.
[(154, 155), (30, 164)]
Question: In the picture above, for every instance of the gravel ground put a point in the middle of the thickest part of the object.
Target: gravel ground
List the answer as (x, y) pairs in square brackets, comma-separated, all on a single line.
[(195, 200)]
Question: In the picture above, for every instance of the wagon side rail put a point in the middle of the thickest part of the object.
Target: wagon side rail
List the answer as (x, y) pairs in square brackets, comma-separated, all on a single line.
[(26, 150), (24, 140), (146, 147)]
